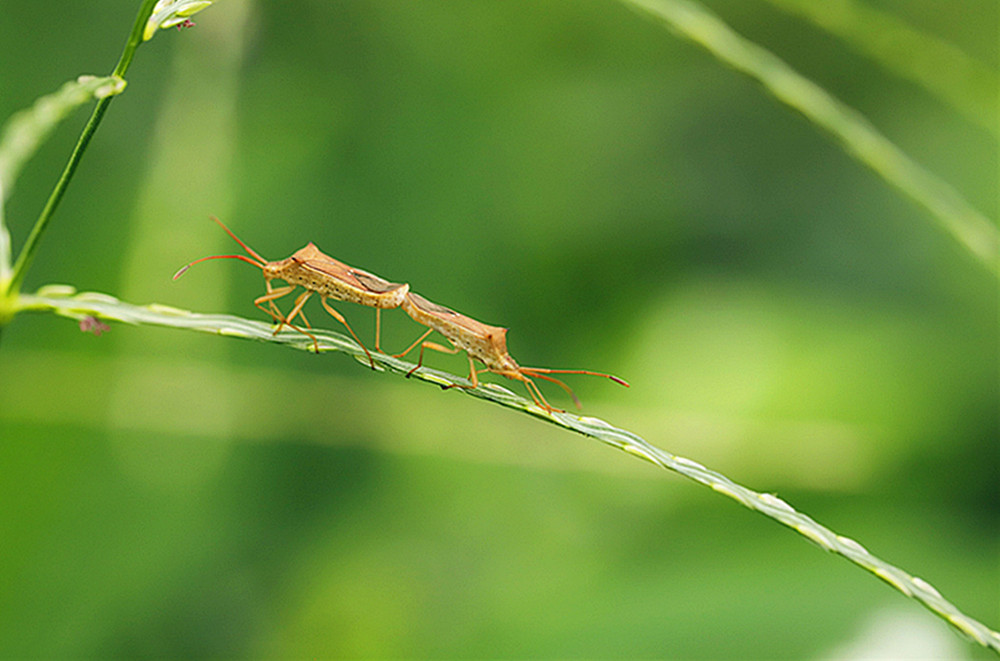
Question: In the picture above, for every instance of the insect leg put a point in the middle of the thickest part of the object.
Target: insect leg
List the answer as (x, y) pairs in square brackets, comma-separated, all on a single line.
[(536, 394), (336, 315), (473, 375), (271, 295), (275, 311), (276, 293), (297, 310), (430, 345), (569, 391), (533, 389), (414, 345)]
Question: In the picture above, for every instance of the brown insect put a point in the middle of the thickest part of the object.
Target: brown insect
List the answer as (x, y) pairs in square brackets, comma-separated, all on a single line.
[(487, 344), (321, 274)]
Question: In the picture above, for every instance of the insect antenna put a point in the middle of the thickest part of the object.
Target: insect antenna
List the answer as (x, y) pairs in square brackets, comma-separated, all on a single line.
[(535, 371), (246, 259), (249, 250), (256, 260)]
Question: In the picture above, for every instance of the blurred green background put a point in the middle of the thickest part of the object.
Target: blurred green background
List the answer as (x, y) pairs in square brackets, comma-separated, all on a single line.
[(572, 171)]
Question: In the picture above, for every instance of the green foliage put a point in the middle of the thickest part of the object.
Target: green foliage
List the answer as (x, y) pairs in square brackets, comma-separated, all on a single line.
[(34, 126), (21, 136), (25, 131), (612, 260)]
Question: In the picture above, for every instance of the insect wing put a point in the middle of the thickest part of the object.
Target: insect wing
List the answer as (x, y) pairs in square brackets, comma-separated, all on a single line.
[(373, 283), (314, 259)]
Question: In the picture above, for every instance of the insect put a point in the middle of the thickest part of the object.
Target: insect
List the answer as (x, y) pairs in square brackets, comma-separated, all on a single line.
[(319, 274), (487, 344)]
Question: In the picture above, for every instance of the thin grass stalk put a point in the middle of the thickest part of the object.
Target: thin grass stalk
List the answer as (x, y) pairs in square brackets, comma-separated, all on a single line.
[(64, 301), (27, 254), (977, 234), (968, 85)]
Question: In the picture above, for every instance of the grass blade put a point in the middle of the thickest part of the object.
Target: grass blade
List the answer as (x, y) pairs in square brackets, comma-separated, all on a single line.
[(64, 301), (859, 138), (26, 130), (5, 263), (966, 84)]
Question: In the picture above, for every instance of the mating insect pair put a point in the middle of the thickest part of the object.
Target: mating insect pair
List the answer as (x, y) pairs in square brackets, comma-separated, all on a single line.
[(321, 274)]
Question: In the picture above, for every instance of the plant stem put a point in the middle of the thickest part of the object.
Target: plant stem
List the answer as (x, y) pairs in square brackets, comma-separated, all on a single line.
[(859, 138), (65, 301), (27, 253)]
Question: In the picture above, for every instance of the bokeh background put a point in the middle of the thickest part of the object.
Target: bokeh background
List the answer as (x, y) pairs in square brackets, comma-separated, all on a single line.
[(572, 171)]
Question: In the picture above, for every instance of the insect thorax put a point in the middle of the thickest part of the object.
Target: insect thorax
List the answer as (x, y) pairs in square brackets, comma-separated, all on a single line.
[(491, 350)]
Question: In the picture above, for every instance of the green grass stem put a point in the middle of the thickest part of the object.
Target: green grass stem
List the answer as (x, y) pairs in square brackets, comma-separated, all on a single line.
[(966, 84), (27, 254), (64, 301), (977, 234)]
